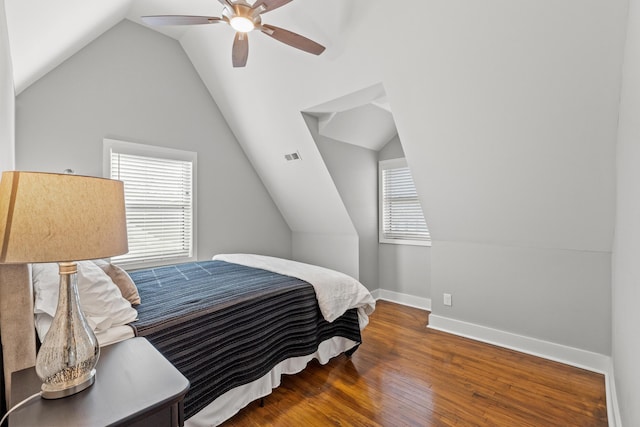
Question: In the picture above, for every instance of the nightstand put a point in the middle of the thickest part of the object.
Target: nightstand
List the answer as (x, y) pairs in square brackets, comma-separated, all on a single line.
[(135, 386)]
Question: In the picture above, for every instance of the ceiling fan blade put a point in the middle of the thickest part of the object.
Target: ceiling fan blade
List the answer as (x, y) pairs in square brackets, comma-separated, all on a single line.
[(270, 5), (293, 39), (180, 20), (226, 2), (240, 51)]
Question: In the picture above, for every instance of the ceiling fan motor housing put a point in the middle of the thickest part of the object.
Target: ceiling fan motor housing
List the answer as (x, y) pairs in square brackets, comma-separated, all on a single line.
[(242, 9)]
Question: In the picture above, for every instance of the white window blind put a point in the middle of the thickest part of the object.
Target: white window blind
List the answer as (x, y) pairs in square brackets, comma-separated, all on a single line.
[(401, 217), (160, 207)]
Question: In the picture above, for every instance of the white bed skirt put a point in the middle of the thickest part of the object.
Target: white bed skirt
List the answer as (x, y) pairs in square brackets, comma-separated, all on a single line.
[(227, 405)]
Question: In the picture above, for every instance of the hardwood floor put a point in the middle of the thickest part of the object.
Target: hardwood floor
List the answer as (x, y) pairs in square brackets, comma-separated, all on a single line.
[(405, 374)]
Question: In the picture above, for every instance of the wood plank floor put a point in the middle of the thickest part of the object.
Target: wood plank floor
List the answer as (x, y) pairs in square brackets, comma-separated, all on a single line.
[(405, 374)]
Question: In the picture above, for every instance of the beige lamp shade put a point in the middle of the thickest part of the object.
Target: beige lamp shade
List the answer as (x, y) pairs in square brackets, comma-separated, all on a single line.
[(47, 217)]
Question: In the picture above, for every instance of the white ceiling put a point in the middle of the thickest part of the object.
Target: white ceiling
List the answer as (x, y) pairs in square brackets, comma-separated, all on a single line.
[(367, 126), (42, 34), (362, 118), (511, 107)]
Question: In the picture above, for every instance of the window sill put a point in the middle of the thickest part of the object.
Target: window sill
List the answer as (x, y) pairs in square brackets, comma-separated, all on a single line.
[(405, 242)]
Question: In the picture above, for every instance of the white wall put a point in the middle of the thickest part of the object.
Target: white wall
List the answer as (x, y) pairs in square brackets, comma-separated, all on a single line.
[(626, 255), (7, 98), (405, 269), (136, 85), (355, 173)]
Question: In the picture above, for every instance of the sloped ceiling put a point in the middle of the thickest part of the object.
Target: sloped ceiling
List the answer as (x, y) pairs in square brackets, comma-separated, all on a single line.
[(506, 110), (362, 118), (263, 102), (45, 33)]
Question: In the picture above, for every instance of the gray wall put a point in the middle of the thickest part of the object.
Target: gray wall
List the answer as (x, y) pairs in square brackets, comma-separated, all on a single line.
[(393, 150), (509, 126), (554, 295), (354, 172), (626, 254), (335, 251), (403, 268), (7, 98), (137, 85)]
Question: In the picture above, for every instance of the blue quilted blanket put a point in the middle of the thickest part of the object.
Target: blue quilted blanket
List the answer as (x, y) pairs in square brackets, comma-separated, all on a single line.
[(224, 325)]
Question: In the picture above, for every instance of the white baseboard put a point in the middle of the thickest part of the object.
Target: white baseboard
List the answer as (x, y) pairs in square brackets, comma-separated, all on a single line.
[(613, 410), (560, 353), (404, 299), (583, 359)]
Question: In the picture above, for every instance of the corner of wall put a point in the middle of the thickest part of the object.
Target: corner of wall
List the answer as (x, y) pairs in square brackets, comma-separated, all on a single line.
[(613, 410), (404, 299), (7, 98)]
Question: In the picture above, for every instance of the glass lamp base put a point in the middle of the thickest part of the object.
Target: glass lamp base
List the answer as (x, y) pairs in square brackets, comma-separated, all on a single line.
[(50, 392), (69, 353)]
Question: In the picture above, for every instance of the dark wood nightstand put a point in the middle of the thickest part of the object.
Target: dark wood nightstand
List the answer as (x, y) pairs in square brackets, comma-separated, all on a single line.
[(135, 386)]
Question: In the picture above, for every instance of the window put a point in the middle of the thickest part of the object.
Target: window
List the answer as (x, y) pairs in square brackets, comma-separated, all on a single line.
[(401, 219), (159, 184)]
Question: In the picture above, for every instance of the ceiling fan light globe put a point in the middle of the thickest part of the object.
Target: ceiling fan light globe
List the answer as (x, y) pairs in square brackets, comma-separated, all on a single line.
[(242, 24)]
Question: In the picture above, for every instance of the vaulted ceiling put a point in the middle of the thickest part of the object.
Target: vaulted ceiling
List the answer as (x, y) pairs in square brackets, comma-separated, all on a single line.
[(507, 111), (42, 35)]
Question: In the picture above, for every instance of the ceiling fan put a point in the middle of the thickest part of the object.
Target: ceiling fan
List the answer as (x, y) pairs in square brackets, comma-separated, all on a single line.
[(244, 18)]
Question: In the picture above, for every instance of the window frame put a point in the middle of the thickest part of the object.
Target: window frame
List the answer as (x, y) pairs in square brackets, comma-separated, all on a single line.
[(144, 150), (382, 166)]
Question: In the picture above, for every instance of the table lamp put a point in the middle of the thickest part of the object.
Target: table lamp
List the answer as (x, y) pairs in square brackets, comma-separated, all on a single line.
[(47, 217)]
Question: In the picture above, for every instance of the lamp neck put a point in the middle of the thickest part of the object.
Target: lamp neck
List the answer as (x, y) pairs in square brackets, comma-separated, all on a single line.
[(67, 268)]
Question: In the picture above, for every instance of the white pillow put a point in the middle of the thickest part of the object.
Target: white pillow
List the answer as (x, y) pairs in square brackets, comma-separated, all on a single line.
[(43, 323), (45, 288), (100, 299)]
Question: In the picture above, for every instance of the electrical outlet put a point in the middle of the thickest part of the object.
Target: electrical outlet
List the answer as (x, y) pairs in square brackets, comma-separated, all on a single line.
[(447, 300)]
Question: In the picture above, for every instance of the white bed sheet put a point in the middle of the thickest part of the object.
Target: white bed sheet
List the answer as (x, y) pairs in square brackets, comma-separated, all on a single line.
[(336, 292), (108, 336), (114, 335)]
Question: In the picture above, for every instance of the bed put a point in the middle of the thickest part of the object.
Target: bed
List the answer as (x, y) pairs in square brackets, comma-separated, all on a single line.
[(232, 325)]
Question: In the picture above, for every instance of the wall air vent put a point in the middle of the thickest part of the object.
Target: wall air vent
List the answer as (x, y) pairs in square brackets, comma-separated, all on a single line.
[(292, 156)]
